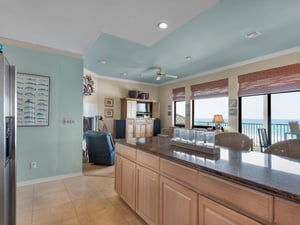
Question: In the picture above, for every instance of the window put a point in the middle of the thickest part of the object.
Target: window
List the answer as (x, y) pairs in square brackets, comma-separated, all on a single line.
[(209, 99), (179, 113), (271, 111), (253, 116), (269, 98), (284, 107), (205, 109), (179, 106)]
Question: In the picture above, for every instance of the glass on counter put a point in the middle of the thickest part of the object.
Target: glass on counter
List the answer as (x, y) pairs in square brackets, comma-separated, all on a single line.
[(210, 139), (191, 136), (184, 135), (199, 137), (176, 134)]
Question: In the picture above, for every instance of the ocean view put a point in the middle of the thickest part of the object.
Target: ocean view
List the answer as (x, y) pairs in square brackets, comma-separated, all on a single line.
[(249, 127), (255, 121)]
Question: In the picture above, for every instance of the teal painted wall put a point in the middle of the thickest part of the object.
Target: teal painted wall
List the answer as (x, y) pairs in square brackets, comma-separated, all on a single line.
[(56, 148)]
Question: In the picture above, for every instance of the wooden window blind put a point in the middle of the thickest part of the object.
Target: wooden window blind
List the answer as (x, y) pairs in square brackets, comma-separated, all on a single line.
[(218, 88), (281, 79), (179, 94)]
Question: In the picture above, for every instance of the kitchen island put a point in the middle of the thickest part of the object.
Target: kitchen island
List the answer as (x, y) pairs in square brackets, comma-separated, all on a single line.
[(167, 184)]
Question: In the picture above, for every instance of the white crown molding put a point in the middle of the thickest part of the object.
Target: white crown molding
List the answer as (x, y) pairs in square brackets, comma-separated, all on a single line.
[(236, 65), (47, 179), (86, 71), (38, 48)]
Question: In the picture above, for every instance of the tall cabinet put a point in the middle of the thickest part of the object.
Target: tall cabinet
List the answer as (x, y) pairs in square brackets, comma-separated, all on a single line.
[(139, 115)]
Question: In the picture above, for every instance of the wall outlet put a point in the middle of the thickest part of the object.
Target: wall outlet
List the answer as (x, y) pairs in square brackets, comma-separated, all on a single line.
[(33, 165)]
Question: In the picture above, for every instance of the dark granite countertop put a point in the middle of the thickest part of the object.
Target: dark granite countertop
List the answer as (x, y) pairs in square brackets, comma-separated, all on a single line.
[(276, 175)]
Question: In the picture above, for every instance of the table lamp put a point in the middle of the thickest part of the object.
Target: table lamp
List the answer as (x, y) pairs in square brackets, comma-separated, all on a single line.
[(217, 119)]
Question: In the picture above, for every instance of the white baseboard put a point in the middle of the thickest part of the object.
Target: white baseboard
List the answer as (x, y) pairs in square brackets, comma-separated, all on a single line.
[(47, 179)]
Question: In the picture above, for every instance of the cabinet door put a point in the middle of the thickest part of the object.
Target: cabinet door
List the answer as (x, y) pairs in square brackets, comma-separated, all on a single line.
[(129, 128), (286, 212), (118, 174), (149, 128), (140, 128), (212, 213), (137, 128), (126, 185), (178, 204), (131, 109), (147, 195)]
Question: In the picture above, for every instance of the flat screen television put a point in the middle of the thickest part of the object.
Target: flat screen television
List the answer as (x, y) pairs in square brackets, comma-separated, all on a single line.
[(143, 107)]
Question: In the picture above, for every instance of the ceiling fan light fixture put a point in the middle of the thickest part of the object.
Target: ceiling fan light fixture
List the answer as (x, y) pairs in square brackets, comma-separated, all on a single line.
[(253, 34), (102, 61), (188, 57), (162, 25)]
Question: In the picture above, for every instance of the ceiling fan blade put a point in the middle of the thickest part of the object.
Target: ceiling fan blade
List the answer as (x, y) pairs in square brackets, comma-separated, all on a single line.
[(172, 76)]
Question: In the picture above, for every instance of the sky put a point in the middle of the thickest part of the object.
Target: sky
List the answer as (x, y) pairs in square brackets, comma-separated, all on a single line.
[(284, 106)]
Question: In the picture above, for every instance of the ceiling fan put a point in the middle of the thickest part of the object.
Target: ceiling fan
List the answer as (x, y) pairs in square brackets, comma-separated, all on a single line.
[(160, 74)]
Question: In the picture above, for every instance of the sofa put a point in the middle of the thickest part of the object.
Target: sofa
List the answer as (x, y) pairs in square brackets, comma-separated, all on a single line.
[(100, 147)]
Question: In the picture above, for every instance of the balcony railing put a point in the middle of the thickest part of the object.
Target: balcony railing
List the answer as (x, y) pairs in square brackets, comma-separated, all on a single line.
[(277, 131)]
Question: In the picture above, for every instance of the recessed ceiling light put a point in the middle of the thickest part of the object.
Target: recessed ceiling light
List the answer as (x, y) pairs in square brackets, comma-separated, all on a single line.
[(188, 57), (162, 25), (253, 34)]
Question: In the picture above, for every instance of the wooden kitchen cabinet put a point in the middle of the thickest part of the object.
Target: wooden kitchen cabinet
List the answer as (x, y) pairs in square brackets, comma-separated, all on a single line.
[(139, 120), (178, 204), (259, 205), (125, 180), (130, 123), (149, 127), (286, 212), (147, 195), (140, 128), (128, 109), (165, 192), (212, 213)]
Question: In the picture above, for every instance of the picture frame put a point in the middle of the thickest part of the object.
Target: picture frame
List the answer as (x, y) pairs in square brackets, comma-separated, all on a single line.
[(108, 102), (232, 112), (108, 113), (33, 94), (232, 103)]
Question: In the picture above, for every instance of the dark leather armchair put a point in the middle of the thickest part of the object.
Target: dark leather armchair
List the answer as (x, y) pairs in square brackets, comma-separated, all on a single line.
[(100, 147)]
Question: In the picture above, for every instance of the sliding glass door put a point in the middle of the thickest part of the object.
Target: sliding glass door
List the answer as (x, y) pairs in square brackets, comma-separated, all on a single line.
[(273, 112), (253, 116), (285, 107)]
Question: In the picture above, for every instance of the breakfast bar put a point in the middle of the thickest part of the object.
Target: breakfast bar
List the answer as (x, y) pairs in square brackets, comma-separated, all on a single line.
[(167, 184)]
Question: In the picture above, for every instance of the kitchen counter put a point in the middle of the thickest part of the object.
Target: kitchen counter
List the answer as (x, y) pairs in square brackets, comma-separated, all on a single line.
[(279, 176)]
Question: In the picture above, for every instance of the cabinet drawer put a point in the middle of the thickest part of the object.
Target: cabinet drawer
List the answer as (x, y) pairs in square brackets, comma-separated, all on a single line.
[(182, 173), (251, 202), (286, 212), (147, 159), (149, 121), (126, 151), (211, 212)]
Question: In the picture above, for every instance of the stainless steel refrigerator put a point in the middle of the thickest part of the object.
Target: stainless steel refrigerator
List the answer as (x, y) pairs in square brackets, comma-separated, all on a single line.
[(7, 143)]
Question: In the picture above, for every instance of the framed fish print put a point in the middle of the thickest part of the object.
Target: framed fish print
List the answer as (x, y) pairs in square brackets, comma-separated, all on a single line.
[(32, 99)]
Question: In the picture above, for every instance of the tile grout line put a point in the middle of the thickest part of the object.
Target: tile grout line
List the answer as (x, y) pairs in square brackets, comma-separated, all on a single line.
[(71, 200)]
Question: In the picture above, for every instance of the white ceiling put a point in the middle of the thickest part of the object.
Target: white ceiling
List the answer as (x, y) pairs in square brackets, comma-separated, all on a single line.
[(74, 25), (124, 33)]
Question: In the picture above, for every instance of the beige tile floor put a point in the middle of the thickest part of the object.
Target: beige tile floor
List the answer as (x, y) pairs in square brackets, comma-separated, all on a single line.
[(82, 200)]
